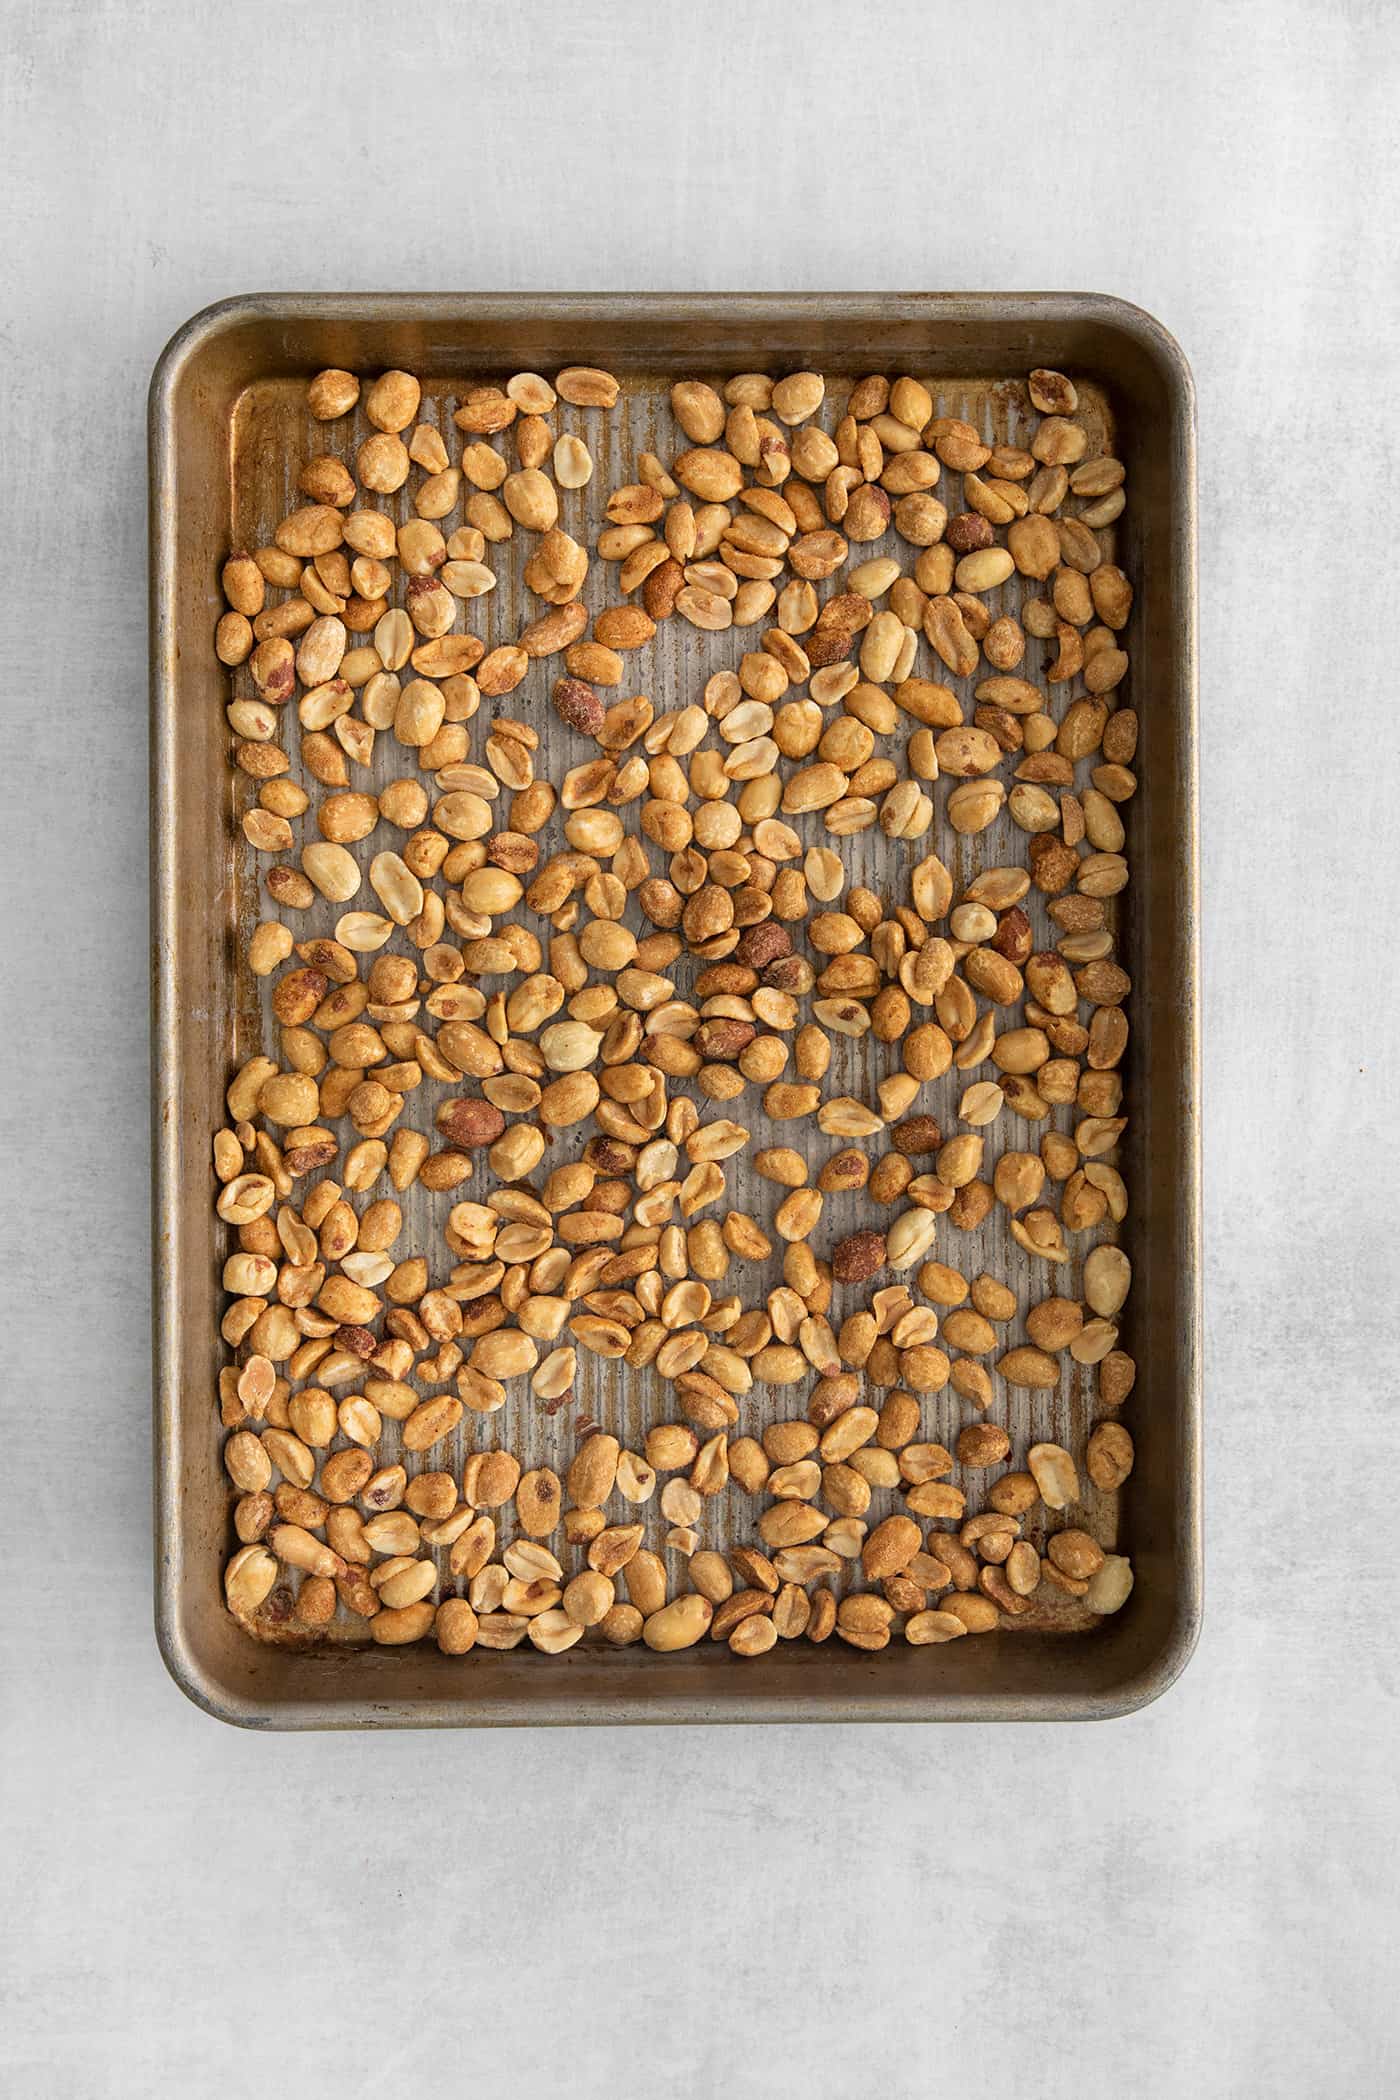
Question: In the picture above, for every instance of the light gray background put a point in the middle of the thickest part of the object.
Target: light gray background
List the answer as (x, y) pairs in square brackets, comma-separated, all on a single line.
[(1193, 1902)]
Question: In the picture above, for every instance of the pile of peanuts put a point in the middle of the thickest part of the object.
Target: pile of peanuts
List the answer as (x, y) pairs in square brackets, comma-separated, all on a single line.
[(601, 954)]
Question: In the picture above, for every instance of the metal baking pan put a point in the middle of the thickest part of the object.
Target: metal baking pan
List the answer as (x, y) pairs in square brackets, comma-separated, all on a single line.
[(227, 428)]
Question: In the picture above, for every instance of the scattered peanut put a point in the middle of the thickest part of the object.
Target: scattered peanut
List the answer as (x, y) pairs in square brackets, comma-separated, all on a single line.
[(613, 954)]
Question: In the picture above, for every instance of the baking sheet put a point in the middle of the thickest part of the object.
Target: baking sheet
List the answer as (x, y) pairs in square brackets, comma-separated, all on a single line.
[(240, 377)]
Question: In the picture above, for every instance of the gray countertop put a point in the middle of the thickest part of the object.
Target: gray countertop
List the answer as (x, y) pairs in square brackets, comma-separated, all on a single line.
[(1191, 1902)]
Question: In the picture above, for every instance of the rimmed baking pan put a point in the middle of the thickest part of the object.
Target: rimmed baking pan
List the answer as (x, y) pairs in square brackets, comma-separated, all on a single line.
[(227, 429)]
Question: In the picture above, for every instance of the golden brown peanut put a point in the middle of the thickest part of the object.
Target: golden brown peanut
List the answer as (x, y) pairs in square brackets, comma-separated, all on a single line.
[(679, 1624), (1109, 1456), (754, 1635), (890, 1547), (332, 394), (589, 1598)]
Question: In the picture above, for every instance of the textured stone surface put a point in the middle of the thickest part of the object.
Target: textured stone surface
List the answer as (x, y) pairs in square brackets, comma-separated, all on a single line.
[(1188, 1904)]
